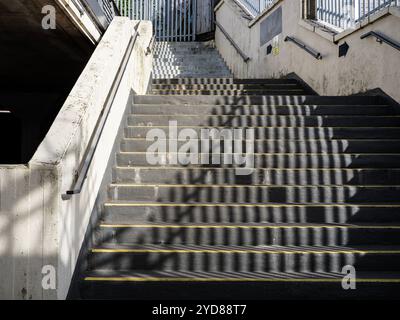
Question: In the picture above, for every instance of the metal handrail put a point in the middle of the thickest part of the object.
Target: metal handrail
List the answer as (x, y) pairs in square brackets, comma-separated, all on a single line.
[(343, 15), (241, 53), (382, 38), (150, 46), (303, 46), (117, 13), (94, 140)]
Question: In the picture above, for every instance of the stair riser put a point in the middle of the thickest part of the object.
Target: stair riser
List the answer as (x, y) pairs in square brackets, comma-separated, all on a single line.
[(241, 290), (262, 121), (259, 100), (288, 146), (194, 68), (271, 133), (231, 93), (203, 194), (220, 81), (278, 161), (183, 50), (244, 262), (179, 66), (173, 110), (224, 86), (186, 74), (167, 59), (258, 177), (250, 214), (250, 237)]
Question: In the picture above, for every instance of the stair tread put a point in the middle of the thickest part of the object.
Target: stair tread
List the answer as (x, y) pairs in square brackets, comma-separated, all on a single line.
[(187, 185), (252, 225), (224, 204), (127, 248), (322, 208), (233, 276)]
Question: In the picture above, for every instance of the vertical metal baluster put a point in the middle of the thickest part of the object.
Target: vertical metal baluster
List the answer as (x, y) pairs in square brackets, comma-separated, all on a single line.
[(194, 19), (175, 20), (168, 20), (180, 20), (184, 20)]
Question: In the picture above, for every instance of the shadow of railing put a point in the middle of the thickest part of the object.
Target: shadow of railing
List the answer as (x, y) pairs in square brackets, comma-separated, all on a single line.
[(336, 205)]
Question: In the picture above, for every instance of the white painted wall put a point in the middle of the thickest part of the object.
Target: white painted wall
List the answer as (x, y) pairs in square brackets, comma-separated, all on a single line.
[(368, 65), (37, 227)]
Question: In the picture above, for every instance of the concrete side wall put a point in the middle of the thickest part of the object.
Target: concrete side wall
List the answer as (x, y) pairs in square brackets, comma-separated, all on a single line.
[(38, 227), (368, 64)]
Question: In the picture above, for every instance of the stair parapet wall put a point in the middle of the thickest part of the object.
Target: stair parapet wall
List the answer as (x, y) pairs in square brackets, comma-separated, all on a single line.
[(38, 227)]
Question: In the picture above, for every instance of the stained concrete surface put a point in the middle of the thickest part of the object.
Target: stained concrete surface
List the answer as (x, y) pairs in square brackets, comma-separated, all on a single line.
[(38, 68)]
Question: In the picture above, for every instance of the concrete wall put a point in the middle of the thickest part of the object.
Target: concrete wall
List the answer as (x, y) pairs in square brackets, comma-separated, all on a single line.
[(37, 227), (38, 68), (368, 64)]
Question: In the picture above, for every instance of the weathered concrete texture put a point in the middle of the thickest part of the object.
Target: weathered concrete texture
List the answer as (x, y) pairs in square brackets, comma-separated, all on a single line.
[(39, 67), (368, 64), (37, 227)]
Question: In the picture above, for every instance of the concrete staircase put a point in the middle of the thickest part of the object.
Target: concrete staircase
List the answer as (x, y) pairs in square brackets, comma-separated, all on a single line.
[(188, 59), (324, 194)]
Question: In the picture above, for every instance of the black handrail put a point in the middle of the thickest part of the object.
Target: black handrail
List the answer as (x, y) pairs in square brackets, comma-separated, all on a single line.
[(382, 38), (150, 46), (241, 53), (94, 140), (117, 13), (303, 46)]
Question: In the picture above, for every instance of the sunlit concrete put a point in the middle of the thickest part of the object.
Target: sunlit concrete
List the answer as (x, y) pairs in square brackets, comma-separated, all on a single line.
[(38, 228), (367, 66)]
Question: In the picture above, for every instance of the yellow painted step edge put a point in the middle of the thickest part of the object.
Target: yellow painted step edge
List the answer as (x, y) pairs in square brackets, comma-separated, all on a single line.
[(155, 279)]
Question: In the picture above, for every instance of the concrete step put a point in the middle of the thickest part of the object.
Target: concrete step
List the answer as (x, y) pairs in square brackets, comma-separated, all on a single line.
[(284, 146), (235, 286), (165, 59), (120, 212), (230, 92), (272, 161), (202, 59), (276, 133), (249, 234), (170, 63), (276, 86), (254, 194), (182, 44), (240, 110), (259, 100), (183, 48), (226, 80), (262, 121), (250, 259), (186, 74), (183, 73), (194, 67), (183, 51), (228, 176)]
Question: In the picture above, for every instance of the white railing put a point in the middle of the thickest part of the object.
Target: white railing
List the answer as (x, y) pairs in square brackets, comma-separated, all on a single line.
[(344, 14), (173, 20), (255, 7)]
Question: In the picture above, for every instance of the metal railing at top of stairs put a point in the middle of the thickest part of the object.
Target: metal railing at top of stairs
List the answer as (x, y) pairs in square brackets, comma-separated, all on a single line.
[(381, 38), (255, 7), (102, 12), (95, 138), (344, 14), (173, 20), (244, 56)]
